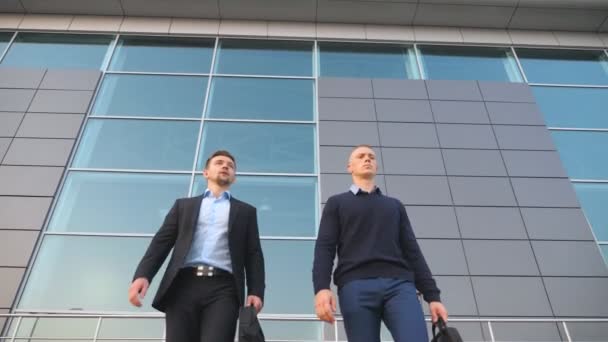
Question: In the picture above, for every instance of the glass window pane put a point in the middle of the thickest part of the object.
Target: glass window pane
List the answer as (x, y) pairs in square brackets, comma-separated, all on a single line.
[(49, 50), (157, 54), (293, 331), (288, 280), (593, 198), (573, 107), (259, 147), (116, 202), (564, 66), (151, 95), (69, 269), (132, 328), (367, 60), (286, 205), (264, 57), (56, 328), (582, 153), (261, 99), (469, 63), (137, 144), (5, 38)]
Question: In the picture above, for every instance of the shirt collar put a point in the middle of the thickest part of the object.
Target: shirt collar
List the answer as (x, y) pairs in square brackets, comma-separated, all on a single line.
[(355, 190), (226, 194)]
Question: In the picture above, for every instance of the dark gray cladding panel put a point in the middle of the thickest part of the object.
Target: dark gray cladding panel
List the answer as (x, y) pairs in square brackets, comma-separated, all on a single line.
[(345, 87)]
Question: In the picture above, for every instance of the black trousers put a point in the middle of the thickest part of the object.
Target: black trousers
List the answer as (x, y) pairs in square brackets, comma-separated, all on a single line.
[(201, 309)]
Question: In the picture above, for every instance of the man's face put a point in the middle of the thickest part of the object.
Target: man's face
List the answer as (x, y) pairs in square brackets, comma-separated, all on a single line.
[(362, 163), (221, 170)]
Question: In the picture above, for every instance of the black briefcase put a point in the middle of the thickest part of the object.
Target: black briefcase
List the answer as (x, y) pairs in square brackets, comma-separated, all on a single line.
[(445, 333), (249, 326)]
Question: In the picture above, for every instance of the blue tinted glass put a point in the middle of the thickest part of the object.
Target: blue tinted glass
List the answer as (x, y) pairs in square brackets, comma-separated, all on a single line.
[(280, 330), (69, 269), (366, 60), (157, 54), (137, 144), (286, 205), (49, 50), (137, 328), (469, 63), (261, 98), (288, 285), (573, 107), (582, 153), (151, 95), (258, 147), (116, 202), (564, 66), (58, 329), (264, 57), (593, 198), (5, 38)]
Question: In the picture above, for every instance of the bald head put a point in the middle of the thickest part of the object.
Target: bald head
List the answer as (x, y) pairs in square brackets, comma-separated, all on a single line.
[(362, 162)]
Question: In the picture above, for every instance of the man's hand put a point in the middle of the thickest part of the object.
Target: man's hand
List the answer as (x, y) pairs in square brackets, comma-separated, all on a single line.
[(256, 302), (137, 291), (325, 306), (438, 310)]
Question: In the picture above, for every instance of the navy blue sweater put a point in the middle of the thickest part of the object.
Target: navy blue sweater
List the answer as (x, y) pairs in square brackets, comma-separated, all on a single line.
[(374, 238)]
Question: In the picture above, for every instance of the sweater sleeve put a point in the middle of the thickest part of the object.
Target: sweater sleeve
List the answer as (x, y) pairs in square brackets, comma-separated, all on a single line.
[(325, 246), (423, 277)]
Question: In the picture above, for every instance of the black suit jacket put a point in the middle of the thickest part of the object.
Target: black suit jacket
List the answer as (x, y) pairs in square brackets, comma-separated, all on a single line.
[(177, 233)]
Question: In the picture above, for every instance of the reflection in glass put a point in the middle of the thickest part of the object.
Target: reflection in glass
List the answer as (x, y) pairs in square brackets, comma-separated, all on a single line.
[(292, 331), (573, 107), (5, 38), (564, 66), (286, 206), (264, 57), (159, 54), (593, 198), (261, 99), (132, 328), (260, 147), (469, 63), (367, 61), (151, 95), (109, 202), (137, 144), (85, 273), (55, 328), (50, 50), (288, 283), (582, 153)]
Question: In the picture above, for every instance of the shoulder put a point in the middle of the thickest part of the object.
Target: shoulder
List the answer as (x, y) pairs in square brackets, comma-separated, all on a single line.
[(341, 197), (242, 205)]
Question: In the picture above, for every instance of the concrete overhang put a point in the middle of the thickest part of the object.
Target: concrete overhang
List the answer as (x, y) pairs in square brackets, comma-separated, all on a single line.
[(559, 15)]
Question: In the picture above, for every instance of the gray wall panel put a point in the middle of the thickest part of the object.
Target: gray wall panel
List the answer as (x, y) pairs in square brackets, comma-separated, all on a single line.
[(39, 125), (399, 89), (70, 79), (490, 223), (411, 161), (23, 212), (588, 332), (533, 164), (335, 159), (408, 135), (544, 192), (11, 278), (433, 222), (29, 181), (453, 90), (514, 258), (9, 122), (44, 152), (419, 190), (346, 109), (15, 100), (444, 257), (506, 92), (473, 162), (511, 296), (466, 136), (460, 112), (578, 296), (61, 101), (569, 258), (482, 191), (504, 113), (20, 77), (345, 87), (456, 295), (404, 110), (348, 133), (16, 247), (523, 138), (4, 144), (332, 184), (556, 224)]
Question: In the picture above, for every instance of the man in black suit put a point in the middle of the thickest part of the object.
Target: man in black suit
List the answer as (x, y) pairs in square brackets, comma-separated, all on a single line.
[(215, 241)]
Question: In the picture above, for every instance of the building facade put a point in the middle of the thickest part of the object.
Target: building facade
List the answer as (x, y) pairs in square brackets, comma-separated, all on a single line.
[(489, 119)]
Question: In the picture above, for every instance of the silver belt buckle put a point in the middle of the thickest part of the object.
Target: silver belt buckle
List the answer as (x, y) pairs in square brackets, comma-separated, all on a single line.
[(200, 271)]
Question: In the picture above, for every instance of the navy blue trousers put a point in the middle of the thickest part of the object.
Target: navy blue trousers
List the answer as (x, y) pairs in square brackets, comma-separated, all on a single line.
[(365, 303)]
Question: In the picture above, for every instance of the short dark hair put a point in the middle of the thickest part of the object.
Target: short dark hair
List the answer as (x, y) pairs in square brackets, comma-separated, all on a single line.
[(218, 153)]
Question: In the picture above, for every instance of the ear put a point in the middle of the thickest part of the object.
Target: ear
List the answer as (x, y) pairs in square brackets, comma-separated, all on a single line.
[(205, 173), (349, 167)]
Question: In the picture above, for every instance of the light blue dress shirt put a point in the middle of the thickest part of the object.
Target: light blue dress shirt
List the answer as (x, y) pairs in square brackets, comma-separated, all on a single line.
[(210, 242)]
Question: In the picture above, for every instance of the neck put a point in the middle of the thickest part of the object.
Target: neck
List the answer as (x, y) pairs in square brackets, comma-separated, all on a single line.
[(366, 184), (217, 189)]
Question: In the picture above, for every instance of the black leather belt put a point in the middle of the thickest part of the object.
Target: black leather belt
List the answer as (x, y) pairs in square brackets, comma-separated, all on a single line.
[(206, 271)]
